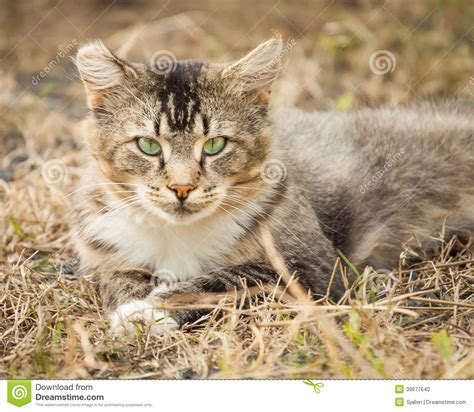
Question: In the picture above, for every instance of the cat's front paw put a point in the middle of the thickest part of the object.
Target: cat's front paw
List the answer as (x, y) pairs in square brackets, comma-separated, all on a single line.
[(126, 317)]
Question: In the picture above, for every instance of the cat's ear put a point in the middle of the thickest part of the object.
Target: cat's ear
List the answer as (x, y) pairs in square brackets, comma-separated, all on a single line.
[(102, 72), (255, 73)]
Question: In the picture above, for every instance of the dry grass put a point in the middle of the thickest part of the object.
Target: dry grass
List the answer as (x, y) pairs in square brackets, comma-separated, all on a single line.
[(414, 322)]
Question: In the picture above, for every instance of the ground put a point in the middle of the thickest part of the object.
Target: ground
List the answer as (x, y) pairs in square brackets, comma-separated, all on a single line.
[(414, 322)]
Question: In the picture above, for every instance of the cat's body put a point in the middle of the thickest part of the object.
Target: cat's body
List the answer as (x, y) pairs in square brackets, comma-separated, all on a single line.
[(376, 177), (362, 182)]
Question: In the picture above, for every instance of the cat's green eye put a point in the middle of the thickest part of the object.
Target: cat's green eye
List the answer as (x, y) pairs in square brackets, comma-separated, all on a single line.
[(214, 146), (149, 146)]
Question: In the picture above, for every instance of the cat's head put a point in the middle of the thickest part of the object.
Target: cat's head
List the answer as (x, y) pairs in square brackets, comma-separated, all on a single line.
[(187, 138)]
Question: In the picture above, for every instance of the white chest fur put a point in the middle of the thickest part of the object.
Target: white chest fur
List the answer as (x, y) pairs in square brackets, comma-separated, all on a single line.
[(185, 250)]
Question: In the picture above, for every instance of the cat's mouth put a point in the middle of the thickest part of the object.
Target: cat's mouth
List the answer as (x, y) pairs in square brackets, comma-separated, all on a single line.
[(183, 209), (181, 212)]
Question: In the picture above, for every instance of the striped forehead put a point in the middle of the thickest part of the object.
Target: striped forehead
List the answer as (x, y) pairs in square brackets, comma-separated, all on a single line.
[(177, 98)]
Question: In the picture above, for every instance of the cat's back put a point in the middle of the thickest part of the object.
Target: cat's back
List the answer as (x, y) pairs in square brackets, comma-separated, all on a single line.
[(379, 176), (351, 144)]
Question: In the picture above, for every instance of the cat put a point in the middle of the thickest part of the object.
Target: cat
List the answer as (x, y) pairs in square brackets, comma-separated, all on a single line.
[(190, 177)]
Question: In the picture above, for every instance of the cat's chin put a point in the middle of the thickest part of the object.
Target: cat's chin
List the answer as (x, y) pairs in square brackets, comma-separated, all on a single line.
[(182, 216)]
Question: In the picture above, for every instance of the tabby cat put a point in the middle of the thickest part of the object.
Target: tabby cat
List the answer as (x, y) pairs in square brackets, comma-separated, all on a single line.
[(190, 176)]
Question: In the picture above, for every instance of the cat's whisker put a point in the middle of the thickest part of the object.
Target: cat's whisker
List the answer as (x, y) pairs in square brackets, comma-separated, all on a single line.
[(122, 203), (81, 228), (103, 195), (251, 203), (125, 202), (101, 184), (238, 209), (98, 195), (270, 191), (266, 216), (221, 207)]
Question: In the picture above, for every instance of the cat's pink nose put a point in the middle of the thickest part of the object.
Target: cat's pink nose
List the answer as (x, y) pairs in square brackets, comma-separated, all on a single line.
[(181, 189)]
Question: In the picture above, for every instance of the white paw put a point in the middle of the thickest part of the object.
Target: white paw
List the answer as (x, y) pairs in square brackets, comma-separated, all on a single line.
[(125, 318)]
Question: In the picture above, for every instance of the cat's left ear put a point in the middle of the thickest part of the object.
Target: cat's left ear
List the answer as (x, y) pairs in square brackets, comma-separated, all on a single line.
[(255, 73), (103, 73)]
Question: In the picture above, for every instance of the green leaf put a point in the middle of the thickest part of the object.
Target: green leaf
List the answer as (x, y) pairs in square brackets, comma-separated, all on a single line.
[(348, 262), (44, 266), (57, 333), (338, 43), (355, 321), (444, 343), (17, 228)]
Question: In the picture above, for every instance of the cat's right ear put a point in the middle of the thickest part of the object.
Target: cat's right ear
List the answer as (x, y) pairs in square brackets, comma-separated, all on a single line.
[(255, 73), (102, 73)]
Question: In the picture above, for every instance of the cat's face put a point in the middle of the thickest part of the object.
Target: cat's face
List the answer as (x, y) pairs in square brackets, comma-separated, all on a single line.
[(186, 142)]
